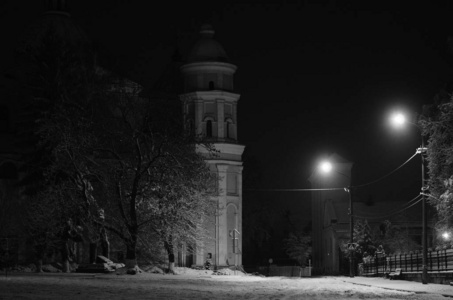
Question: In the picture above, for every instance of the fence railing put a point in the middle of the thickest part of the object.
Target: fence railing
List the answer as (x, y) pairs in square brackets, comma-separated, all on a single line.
[(438, 262)]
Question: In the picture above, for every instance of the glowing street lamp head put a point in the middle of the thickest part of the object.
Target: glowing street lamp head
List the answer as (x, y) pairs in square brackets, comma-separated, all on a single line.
[(325, 167), (398, 119), (446, 235)]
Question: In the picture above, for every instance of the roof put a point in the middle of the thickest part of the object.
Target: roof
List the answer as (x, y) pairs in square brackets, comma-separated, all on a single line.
[(207, 49)]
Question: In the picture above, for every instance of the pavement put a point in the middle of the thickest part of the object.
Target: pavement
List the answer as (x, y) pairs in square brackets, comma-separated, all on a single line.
[(385, 283), (401, 285)]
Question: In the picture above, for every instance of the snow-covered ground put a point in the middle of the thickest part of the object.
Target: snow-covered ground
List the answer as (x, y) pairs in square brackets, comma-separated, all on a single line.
[(188, 284)]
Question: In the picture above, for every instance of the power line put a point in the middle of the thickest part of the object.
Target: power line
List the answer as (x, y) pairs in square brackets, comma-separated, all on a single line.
[(334, 189), (429, 195), (392, 213), (387, 175)]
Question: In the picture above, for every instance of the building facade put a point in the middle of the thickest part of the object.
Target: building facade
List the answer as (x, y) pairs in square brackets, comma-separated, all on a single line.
[(210, 110), (329, 226), (331, 218)]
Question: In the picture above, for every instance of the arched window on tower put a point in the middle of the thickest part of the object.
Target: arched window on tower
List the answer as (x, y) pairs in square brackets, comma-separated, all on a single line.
[(208, 128), (229, 129), (211, 85)]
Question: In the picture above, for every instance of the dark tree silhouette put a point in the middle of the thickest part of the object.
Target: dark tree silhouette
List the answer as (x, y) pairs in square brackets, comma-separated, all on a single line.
[(437, 124)]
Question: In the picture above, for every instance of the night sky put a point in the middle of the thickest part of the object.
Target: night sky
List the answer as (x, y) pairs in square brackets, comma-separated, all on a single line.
[(315, 77)]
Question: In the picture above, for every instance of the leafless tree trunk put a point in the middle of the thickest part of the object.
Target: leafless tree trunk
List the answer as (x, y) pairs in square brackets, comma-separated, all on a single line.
[(168, 244), (65, 256), (105, 244), (93, 252)]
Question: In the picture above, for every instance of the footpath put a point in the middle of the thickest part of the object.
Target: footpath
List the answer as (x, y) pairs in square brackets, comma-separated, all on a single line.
[(402, 285)]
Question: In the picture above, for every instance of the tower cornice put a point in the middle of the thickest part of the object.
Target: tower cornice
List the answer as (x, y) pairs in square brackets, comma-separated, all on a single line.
[(209, 66), (215, 94), (226, 148)]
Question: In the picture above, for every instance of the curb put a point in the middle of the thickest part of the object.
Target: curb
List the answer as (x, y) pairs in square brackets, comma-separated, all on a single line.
[(385, 288), (399, 290)]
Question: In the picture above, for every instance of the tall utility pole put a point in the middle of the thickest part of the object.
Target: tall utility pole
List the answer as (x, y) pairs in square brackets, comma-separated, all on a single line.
[(399, 119), (422, 152)]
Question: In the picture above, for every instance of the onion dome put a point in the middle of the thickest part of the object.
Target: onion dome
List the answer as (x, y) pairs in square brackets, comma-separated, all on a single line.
[(207, 49)]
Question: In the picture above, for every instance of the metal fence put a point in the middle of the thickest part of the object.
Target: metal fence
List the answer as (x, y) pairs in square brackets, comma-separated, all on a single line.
[(438, 262)]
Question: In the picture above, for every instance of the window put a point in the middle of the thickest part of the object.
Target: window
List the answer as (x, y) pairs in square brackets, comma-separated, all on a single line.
[(232, 184), (228, 110), (209, 128), (211, 85), (229, 129)]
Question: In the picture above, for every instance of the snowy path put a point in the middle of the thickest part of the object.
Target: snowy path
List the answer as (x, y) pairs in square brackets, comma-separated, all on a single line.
[(155, 286)]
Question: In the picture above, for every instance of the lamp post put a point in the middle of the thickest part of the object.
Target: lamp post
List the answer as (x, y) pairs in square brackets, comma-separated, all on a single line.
[(351, 233), (326, 167), (399, 119)]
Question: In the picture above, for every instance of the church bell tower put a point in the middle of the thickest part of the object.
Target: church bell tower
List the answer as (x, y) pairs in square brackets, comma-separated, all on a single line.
[(210, 111)]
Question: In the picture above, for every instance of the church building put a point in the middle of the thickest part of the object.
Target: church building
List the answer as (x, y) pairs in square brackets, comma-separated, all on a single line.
[(209, 104), (210, 110)]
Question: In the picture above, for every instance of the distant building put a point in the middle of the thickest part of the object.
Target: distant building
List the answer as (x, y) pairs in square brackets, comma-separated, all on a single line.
[(210, 110), (328, 231), (331, 219)]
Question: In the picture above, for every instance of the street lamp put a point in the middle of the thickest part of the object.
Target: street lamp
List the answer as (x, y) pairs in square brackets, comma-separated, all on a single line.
[(326, 167), (399, 119)]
